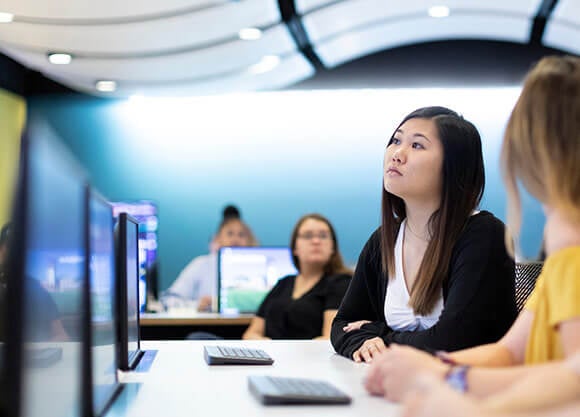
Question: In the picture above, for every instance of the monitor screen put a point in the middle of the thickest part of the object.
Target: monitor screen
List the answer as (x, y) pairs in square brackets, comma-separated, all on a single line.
[(145, 212), (246, 274), (50, 228), (128, 280), (103, 299)]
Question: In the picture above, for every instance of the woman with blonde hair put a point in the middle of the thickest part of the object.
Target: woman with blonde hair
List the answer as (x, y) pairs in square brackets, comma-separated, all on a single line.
[(541, 149)]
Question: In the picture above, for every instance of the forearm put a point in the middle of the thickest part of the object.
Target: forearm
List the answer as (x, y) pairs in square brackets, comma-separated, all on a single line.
[(552, 385), (490, 355), (487, 382), (254, 336)]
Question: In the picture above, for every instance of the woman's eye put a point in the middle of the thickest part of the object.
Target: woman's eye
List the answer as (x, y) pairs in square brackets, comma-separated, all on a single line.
[(417, 145), (394, 141)]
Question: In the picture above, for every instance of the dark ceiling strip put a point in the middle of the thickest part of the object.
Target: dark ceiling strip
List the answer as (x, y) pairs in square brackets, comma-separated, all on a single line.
[(544, 12), (119, 20), (298, 32)]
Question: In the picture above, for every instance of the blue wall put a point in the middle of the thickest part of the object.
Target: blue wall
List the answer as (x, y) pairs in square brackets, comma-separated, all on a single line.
[(275, 155)]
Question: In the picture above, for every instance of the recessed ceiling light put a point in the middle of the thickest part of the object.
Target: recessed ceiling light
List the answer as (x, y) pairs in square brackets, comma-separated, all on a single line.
[(59, 59), (106, 86), (267, 63), (439, 11), (6, 17), (250, 34)]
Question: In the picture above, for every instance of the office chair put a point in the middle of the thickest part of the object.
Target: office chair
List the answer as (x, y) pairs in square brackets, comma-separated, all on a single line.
[(526, 275)]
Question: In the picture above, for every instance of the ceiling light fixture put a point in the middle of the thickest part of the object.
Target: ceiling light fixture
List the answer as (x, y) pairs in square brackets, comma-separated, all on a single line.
[(59, 58), (267, 63), (250, 34), (439, 11), (106, 86), (6, 17)]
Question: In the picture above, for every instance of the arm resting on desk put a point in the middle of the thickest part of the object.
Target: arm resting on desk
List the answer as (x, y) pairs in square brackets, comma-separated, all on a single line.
[(256, 330)]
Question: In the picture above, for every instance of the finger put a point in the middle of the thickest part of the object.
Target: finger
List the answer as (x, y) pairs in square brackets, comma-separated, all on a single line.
[(356, 356), (381, 347), (367, 356)]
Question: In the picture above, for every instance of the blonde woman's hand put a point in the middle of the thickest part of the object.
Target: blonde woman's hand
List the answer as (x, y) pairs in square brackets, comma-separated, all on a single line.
[(392, 372), (430, 397)]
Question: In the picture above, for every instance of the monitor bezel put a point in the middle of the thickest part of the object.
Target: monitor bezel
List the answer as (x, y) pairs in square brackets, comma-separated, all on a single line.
[(126, 363), (219, 307)]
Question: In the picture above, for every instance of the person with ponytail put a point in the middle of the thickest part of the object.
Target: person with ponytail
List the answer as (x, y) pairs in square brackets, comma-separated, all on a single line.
[(197, 282)]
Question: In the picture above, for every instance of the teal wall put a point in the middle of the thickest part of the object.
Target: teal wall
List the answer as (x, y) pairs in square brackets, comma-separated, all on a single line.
[(275, 155)]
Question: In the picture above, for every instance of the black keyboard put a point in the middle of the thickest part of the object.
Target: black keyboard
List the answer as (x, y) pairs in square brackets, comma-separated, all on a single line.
[(225, 355), (277, 390)]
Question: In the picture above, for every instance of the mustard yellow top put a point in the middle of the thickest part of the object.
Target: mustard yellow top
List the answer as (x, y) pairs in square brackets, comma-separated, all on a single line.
[(555, 299)]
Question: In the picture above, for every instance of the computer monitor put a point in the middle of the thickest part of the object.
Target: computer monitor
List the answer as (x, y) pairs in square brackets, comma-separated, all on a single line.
[(146, 214), (128, 291), (103, 304), (246, 274), (47, 281)]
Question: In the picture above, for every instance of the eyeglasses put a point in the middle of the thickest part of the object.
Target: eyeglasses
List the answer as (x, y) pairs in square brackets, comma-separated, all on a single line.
[(310, 236)]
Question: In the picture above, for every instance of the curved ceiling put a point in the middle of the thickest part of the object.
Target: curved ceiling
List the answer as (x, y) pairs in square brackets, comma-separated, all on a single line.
[(178, 47)]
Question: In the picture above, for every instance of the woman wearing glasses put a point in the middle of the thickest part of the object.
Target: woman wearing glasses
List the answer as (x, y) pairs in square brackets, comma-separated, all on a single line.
[(303, 306), (436, 274)]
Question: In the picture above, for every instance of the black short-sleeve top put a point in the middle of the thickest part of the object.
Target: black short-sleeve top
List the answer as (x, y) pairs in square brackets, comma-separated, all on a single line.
[(301, 318)]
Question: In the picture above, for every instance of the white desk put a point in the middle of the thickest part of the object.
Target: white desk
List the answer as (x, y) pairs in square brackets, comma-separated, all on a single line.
[(180, 383)]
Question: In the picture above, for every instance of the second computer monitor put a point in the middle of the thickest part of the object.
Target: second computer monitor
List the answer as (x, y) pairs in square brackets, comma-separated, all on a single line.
[(128, 291), (246, 274)]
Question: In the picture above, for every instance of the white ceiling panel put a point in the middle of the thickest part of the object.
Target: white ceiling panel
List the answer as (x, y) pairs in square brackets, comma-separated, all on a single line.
[(99, 10), (292, 69), (357, 43), (174, 33), (207, 62), (567, 11), (355, 14), (563, 29), (562, 36), (305, 6)]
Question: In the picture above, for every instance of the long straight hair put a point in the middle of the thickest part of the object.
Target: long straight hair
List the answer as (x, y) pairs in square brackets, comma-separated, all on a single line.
[(541, 146), (463, 182)]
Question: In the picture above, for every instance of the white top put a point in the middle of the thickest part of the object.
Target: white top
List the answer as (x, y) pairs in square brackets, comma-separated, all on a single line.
[(197, 279), (398, 314)]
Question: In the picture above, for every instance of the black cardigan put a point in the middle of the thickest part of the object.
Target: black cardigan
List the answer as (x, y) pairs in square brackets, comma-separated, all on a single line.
[(478, 295)]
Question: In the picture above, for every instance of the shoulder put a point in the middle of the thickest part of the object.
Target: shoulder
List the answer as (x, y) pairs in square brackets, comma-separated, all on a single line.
[(338, 278), (202, 260), (483, 221), (373, 244), (284, 282), (482, 227), (564, 265)]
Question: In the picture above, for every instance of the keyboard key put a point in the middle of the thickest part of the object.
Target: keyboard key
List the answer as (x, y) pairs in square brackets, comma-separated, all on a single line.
[(225, 355), (277, 390)]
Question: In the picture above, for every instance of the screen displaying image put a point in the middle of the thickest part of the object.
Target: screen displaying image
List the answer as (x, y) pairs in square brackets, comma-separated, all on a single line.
[(146, 213), (245, 275)]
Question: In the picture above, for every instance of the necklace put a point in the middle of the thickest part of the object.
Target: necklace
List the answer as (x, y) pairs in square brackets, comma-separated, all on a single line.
[(415, 234)]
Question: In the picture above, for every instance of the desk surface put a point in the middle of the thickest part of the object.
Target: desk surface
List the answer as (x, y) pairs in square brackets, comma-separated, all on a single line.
[(193, 318), (180, 383)]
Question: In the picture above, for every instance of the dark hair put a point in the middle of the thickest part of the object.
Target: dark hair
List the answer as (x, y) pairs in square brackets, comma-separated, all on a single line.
[(335, 264), (5, 234), (463, 183), (230, 214)]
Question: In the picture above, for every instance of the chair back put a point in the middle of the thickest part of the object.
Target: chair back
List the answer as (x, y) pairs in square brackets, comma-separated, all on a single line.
[(526, 275)]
